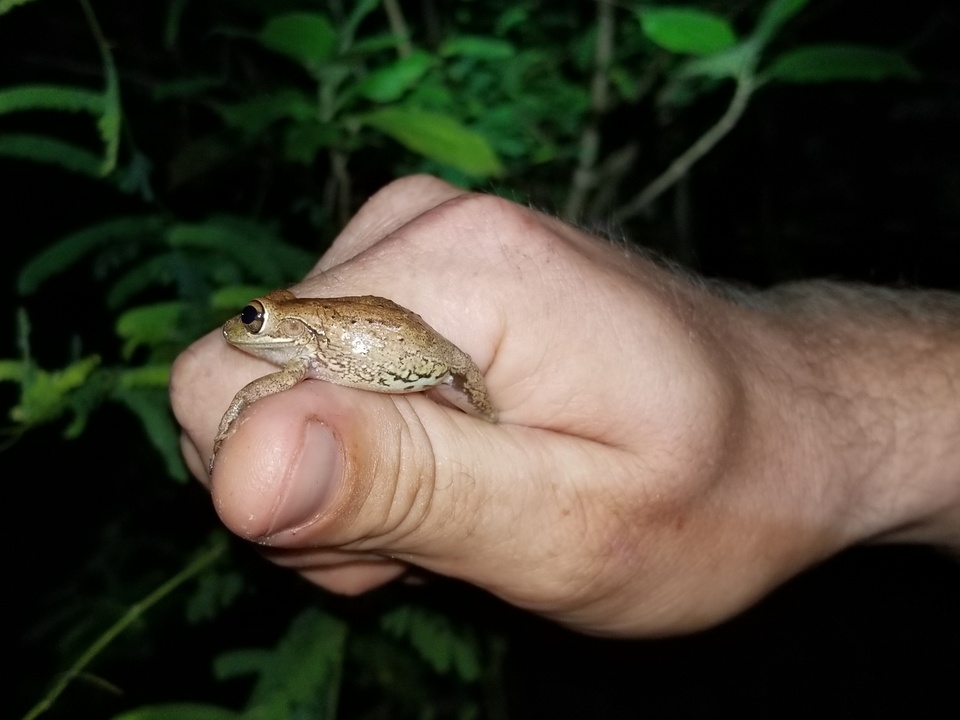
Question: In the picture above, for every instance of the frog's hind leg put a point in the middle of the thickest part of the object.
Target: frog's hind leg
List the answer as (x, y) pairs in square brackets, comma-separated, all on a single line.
[(457, 394)]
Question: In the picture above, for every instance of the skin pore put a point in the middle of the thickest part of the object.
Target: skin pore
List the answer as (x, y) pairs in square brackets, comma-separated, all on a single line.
[(668, 451)]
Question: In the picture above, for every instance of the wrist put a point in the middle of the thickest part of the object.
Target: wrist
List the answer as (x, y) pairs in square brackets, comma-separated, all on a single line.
[(872, 395)]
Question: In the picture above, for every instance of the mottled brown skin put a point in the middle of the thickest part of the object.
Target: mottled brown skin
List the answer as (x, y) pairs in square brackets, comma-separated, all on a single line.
[(367, 342)]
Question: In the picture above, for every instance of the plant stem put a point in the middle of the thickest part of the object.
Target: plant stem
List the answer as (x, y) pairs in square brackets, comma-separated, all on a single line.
[(746, 84), (398, 26), (584, 177), (132, 614)]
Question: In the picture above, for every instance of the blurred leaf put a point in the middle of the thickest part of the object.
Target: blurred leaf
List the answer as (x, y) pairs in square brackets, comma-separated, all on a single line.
[(63, 254), (300, 677), (110, 119), (235, 297), (389, 83), (433, 636), (13, 370), (730, 63), (216, 590), (50, 97), (256, 115), (307, 38), (773, 17), (302, 142), (51, 151), (45, 395), (374, 44), (477, 46), (830, 63), (179, 711), (135, 177), (238, 663), (171, 26), (361, 8), (145, 376), (438, 137), (158, 270), (150, 325), (151, 406), (264, 256), (511, 18), (8, 5), (686, 30)]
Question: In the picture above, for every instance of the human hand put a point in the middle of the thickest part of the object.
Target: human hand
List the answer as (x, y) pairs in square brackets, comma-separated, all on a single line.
[(645, 477)]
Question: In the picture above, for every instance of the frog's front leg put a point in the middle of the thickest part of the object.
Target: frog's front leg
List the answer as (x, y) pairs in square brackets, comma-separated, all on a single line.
[(292, 373)]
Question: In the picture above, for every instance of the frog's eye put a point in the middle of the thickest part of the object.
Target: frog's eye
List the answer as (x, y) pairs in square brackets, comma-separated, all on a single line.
[(252, 317)]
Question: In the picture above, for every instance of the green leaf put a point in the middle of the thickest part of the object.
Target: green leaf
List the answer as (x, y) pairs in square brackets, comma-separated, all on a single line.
[(216, 590), (179, 711), (13, 370), (50, 97), (831, 63), (171, 25), (45, 395), (307, 38), (298, 678), (8, 5), (256, 115), (361, 8), (150, 325), (388, 84), (264, 256), (477, 46), (303, 141), (236, 296), (38, 148), (151, 406), (773, 17), (511, 18), (374, 44), (65, 253), (109, 122), (686, 30), (438, 137), (436, 640), (134, 178), (730, 63), (146, 376), (157, 270), (238, 663)]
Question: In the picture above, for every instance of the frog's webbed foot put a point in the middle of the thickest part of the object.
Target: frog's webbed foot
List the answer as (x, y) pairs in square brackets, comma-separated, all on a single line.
[(466, 390)]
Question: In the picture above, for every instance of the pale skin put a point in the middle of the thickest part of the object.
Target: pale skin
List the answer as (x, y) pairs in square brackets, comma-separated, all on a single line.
[(665, 454)]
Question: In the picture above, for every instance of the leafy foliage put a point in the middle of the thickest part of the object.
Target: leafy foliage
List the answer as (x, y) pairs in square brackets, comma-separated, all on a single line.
[(275, 123)]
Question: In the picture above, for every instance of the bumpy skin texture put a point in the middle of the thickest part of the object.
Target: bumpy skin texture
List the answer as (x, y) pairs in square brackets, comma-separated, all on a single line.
[(665, 453), (365, 342)]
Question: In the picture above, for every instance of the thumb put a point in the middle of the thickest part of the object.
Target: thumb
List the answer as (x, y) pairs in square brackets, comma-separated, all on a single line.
[(350, 487)]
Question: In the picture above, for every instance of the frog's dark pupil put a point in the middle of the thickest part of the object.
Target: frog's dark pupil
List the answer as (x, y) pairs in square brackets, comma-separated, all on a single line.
[(249, 314)]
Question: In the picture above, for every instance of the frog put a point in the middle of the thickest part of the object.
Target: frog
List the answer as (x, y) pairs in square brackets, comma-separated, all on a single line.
[(366, 342)]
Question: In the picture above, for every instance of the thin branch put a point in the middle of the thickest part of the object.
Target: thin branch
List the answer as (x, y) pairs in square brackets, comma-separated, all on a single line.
[(746, 84), (584, 177), (132, 614), (344, 186), (398, 26)]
